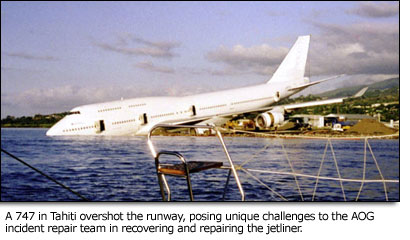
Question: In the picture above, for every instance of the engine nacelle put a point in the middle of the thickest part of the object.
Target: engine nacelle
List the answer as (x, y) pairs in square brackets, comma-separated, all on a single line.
[(269, 119)]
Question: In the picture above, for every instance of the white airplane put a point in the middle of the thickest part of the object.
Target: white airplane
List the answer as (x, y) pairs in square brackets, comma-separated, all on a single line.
[(137, 116)]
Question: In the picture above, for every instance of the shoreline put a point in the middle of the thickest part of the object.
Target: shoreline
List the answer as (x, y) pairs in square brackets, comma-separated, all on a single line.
[(249, 134), (294, 136)]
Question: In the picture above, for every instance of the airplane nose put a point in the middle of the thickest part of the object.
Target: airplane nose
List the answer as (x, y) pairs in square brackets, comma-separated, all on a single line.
[(54, 130), (51, 131)]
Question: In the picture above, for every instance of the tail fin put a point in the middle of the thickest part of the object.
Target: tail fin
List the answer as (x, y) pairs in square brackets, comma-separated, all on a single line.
[(292, 68)]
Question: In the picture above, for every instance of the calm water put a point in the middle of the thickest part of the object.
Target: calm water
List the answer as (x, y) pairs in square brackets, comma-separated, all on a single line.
[(122, 169)]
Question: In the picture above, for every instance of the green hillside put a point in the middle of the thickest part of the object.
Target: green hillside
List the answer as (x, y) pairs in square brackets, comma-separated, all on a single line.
[(42, 121), (382, 98), (392, 83)]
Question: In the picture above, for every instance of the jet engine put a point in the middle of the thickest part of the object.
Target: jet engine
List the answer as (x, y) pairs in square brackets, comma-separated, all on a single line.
[(269, 119)]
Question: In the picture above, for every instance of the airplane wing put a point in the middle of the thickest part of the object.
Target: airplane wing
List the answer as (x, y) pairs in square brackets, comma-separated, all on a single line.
[(294, 106), (301, 87), (286, 107), (361, 92), (321, 102)]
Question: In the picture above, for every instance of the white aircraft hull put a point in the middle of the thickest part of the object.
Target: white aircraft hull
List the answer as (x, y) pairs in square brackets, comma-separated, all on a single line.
[(126, 117), (137, 116)]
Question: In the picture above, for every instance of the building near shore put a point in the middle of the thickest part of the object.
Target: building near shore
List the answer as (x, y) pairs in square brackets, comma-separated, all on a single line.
[(348, 117), (320, 121), (313, 120)]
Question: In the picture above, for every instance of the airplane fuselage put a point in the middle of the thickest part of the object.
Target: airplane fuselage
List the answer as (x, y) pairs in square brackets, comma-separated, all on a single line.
[(137, 116)]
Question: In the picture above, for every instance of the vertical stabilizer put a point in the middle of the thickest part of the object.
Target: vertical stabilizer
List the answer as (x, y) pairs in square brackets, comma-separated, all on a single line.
[(292, 68)]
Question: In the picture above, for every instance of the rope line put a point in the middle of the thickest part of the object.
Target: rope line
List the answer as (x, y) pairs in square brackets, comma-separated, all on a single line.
[(337, 169), (318, 177), (45, 175), (293, 171), (320, 169), (256, 154), (263, 184), (378, 168), (364, 170), (322, 177), (309, 137)]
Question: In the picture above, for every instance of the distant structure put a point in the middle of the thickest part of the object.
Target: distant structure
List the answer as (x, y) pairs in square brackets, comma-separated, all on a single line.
[(348, 117), (313, 120), (320, 121), (394, 124)]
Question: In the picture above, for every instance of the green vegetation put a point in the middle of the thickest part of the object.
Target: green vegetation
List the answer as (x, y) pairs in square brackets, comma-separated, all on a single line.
[(381, 98), (393, 83), (44, 121)]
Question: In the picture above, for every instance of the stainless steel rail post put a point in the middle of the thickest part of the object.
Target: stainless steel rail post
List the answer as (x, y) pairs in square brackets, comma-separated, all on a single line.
[(232, 168), (162, 176)]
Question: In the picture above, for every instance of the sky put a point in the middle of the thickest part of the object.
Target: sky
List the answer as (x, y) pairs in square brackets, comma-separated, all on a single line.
[(59, 55)]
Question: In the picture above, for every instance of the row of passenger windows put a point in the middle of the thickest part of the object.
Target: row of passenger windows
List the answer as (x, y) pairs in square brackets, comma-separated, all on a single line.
[(78, 129), (163, 115), (109, 109), (252, 100), (169, 114), (215, 106), (137, 105), (122, 122), (117, 108)]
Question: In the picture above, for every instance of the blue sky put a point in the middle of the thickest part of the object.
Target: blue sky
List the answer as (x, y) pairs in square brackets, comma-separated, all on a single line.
[(57, 55)]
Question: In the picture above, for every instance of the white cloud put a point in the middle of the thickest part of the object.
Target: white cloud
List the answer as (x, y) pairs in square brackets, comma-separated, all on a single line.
[(349, 48), (29, 56), (361, 48), (375, 9), (149, 66), (261, 59), (60, 99), (130, 45)]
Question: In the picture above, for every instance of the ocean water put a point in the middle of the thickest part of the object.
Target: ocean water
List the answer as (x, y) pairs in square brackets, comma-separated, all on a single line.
[(122, 168)]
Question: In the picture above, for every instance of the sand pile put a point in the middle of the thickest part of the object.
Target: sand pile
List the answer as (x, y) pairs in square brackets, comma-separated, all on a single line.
[(370, 127)]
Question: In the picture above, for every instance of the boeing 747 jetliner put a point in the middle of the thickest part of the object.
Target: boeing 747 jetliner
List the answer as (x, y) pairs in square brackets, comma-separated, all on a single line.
[(137, 116)]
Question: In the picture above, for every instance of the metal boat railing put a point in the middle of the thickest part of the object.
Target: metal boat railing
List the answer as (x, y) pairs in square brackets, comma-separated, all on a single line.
[(161, 177)]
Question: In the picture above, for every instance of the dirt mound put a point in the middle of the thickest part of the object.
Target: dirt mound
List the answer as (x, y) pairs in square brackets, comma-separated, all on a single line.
[(370, 127)]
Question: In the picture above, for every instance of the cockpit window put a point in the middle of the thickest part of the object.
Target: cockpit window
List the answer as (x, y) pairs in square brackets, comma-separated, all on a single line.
[(76, 112)]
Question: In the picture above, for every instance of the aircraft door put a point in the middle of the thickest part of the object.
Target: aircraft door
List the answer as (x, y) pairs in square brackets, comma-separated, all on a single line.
[(143, 119), (276, 97), (193, 110), (100, 126)]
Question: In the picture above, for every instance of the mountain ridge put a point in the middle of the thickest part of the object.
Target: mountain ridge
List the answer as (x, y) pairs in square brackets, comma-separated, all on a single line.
[(349, 91)]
